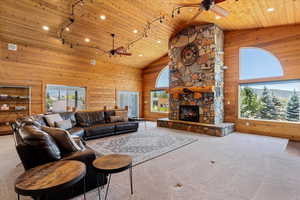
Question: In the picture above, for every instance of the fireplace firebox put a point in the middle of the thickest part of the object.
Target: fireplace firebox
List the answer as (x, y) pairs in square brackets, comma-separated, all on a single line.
[(189, 113)]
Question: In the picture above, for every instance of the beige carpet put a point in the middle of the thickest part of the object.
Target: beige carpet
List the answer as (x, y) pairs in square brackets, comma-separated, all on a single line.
[(236, 167)]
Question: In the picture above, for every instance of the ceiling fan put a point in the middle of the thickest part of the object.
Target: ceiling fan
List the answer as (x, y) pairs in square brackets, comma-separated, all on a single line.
[(205, 5), (117, 51)]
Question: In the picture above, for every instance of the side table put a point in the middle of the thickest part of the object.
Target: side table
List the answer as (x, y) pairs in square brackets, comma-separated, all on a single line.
[(49, 178), (113, 163)]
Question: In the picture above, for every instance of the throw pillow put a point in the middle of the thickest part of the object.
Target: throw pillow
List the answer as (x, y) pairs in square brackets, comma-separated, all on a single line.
[(64, 124), (79, 142), (123, 114), (63, 139), (116, 119), (51, 119)]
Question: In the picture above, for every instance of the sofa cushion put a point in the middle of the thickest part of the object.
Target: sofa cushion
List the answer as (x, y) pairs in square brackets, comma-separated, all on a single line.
[(116, 119), (64, 124), (40, 119), (69, 116), (51, 119), (63, 139), (76, 131), (108, 114), (41, 141), (99, 129), (123, 114), (86, 119), (120, 126)]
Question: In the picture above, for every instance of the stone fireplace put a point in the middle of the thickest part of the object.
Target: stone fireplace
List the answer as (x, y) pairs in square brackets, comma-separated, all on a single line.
[(196, 81), (189, 113)]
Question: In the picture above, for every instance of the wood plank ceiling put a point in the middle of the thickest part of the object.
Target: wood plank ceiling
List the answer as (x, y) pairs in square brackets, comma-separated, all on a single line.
[(21, 21)]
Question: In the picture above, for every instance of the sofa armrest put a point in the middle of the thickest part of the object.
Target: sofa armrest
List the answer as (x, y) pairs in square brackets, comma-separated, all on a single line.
[(87, 156)]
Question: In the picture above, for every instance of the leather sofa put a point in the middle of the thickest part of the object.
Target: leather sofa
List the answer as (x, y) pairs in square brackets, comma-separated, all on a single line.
[(35, 147), (93, 124)]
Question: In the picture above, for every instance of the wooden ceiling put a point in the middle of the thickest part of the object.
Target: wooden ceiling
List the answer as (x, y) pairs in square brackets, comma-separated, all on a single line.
[(21, 21)]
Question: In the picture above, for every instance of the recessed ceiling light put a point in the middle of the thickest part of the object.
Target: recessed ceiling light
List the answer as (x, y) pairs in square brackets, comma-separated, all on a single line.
[(67, 29), (271, 9), (103, 17), (140, 55), (135, 31), (218, 17), (158, 41), (46, 28), (87, 40)]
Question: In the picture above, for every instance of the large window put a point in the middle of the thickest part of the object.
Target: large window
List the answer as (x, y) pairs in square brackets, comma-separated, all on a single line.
[(159, 101), (271, 101), (60, 98), (258, 63)]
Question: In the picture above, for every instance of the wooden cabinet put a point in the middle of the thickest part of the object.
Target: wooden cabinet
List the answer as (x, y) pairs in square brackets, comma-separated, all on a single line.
[(15, 102)]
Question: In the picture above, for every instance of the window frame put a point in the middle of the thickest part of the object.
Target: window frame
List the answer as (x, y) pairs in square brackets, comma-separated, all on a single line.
[(261, 120), (260, 78), (155, 90), (159, 75), (66, 86)]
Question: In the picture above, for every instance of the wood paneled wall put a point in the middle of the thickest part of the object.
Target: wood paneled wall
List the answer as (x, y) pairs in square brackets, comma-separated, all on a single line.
[(38, 66), (284, 43), (150, 74)]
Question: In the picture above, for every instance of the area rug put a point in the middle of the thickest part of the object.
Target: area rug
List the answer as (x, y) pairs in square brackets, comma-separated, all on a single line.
[(141, 146)]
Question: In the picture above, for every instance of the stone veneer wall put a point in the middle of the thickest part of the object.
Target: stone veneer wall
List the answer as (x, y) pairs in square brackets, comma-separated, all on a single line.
[(196, 59)]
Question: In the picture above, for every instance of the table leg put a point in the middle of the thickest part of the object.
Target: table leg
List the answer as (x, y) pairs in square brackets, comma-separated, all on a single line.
[(18, 196), (107, 187), (97, 177), (84, 188), (130, 175)]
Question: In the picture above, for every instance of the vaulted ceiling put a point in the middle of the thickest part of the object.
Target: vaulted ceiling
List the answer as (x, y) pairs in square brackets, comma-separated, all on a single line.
[(23, 19)]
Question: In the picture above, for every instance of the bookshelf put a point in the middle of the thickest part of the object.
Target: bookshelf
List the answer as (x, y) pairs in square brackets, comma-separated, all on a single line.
[(15, 102)]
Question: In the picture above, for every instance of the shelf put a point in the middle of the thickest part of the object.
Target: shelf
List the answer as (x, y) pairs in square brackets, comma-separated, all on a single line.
[(12, 111), (13, 99)]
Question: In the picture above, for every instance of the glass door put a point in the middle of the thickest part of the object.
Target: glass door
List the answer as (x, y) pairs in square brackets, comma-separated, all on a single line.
[(130, 99)]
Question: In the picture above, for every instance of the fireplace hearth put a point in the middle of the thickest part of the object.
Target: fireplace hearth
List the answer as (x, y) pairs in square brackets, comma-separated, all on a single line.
[(189, 113)]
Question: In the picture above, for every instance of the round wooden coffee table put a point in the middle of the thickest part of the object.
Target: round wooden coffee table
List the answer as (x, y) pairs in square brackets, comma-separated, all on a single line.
[(50, 177), (113, 163)]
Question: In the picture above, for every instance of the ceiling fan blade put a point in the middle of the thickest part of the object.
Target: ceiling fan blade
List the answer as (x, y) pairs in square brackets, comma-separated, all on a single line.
[(219, 1), (219, 11), (124, 54)]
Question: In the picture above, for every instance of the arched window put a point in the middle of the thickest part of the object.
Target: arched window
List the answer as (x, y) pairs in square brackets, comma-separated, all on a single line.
[(274, 100), (160, 96), (258, 63), (162, 80)]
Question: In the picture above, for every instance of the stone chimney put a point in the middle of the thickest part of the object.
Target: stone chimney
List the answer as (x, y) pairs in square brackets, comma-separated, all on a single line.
[(196, 72)]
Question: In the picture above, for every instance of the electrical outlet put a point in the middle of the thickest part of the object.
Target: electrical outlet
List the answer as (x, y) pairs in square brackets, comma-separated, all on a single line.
[(12, 47)]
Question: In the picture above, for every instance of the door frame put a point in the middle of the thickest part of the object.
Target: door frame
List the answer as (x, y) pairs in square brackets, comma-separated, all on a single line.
[(126, 91)]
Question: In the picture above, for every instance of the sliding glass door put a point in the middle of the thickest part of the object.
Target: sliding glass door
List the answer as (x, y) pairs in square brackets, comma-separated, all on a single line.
[(130, 99)]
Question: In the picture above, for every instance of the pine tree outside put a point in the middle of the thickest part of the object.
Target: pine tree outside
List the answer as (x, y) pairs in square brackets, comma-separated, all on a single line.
[(276, 101)]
